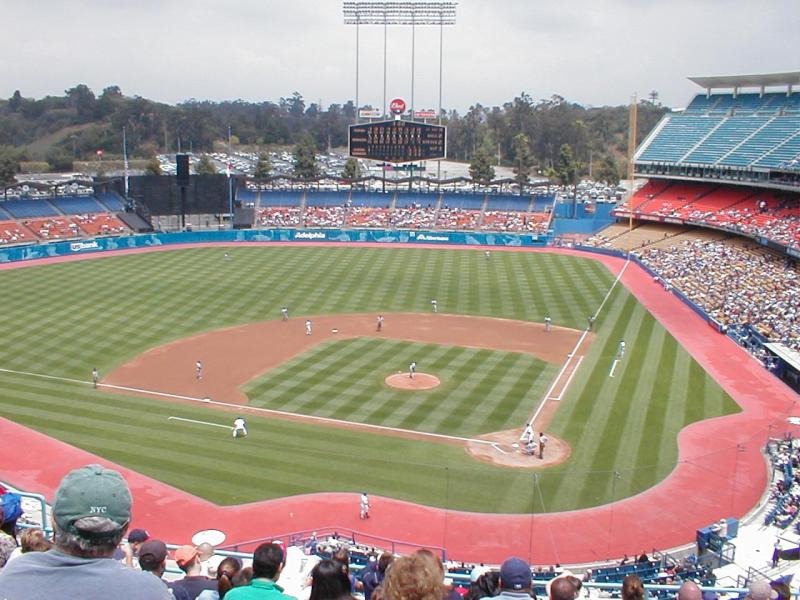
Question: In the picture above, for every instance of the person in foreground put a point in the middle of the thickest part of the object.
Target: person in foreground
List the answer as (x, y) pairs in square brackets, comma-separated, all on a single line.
[(91, 513), (268, 562)]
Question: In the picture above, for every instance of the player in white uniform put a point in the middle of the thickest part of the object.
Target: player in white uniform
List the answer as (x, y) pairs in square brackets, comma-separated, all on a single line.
[(621, 352), (95, 377), (435, 306), (412, 368), (548, 323), (308, 327), (284, 313), (527, 433), (364, 506), (239, 427), (198, 370)]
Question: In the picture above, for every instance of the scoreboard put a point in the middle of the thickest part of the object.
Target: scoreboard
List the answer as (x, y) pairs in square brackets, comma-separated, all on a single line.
[(397, 141)]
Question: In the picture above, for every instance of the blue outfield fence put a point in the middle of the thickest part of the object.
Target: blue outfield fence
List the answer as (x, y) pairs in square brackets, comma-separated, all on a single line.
[(33, 252)]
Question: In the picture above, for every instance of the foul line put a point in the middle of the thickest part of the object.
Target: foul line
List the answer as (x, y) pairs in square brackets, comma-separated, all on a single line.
[(569, 379), (198, 422), (256, 409), (571, 355)]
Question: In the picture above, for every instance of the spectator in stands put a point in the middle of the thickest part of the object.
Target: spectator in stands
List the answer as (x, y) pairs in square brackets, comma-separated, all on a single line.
[(268, 562), (81, 564), (483, 583), (759, 589), (7, 546), (342, 556), (208, 560), (136, 538), (329, 581), (32, 539), (188, 560), (689, 590), (515, 580), (413, 577), (375, 574), (243, 577), (153, 559), (632, 588), (227, 569)]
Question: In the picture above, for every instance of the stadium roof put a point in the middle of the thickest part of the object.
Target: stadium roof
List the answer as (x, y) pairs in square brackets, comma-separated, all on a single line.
[(740, 81), (787, 354)]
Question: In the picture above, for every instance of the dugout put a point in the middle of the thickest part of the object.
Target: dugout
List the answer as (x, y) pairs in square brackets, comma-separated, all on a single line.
[(787, 366)]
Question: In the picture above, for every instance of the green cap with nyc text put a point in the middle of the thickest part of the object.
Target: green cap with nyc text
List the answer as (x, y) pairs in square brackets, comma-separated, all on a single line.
[(92, 491)]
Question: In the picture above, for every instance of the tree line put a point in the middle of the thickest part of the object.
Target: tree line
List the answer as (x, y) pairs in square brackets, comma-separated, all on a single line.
[(552, 136)]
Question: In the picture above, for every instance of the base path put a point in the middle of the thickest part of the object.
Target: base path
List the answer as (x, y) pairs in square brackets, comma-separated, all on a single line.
[(233, 356), (720, 473)]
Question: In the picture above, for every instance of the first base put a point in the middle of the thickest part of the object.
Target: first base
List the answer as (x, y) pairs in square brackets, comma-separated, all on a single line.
[(334, 331)]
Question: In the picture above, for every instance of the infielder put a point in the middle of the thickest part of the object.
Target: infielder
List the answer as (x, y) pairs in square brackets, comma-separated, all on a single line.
[(547, 323), (308, 326), (198, 370), (434, 306), (380, 323), (95, 377), (412, 368), (364, 506), (239, 426), (284, 313)]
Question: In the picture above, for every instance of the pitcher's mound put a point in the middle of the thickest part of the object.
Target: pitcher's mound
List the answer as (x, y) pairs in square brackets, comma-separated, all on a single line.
[(421, 381)]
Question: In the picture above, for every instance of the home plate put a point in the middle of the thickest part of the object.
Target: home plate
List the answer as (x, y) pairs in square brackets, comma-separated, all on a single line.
[(515, 445)]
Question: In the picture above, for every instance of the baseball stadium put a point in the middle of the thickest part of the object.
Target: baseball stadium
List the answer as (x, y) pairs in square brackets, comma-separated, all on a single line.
[(654, 409)]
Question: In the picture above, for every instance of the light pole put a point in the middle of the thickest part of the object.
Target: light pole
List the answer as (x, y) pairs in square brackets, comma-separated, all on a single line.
[(371, 12)]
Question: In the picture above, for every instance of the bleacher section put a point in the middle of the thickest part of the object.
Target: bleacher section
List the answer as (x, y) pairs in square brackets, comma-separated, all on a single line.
[(29, 208), (78, 205), (743, 210), (742, 131)]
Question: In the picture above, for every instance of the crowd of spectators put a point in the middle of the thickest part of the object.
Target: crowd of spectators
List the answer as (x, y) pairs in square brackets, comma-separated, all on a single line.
[(734, 284), (784, 493), (414, 216), (90, 557)]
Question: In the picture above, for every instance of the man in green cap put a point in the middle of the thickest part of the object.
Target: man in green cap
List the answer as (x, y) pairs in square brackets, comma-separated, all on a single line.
[(91, 513)]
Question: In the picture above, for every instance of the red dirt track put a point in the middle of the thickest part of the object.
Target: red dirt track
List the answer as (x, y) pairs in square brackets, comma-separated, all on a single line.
[(720, 473)]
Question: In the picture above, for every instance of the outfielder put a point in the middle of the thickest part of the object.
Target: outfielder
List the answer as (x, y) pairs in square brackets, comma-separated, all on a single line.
[(308, 326), (621, 352), (239, 426)]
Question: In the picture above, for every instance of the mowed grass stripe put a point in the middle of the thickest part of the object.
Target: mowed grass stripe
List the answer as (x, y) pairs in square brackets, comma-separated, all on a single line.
[(63, 319)]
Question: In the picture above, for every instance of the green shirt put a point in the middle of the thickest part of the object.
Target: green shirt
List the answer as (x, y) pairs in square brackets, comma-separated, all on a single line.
[(259, 589)]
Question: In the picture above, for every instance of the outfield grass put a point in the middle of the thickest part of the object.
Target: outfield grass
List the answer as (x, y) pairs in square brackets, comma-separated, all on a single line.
[(63, 319)]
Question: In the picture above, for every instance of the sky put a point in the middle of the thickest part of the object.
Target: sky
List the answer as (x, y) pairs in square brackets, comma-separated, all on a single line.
[(595, 53)]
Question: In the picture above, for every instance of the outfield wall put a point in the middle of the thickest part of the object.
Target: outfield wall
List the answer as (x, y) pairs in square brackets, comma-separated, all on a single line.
[(67, 248)]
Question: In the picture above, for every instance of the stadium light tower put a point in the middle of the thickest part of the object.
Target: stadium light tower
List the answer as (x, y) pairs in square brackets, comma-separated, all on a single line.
[(369, 12)]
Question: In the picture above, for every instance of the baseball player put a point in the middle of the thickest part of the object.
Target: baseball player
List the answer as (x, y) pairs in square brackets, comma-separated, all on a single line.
[(284, 313), (548, 322), (364, 506), (412, 368), (380, 323), (434, 305), (621, 352), (198, 370), (95, 377), (308, 326), (488, 255), (527, 433), (239, 427)]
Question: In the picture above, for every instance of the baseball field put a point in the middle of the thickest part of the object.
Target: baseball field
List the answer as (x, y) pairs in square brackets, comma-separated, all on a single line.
[(613, 427)]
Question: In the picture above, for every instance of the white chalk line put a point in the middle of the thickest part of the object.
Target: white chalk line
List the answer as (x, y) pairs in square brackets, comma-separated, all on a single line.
[(256, 409), (571, 355), (198, 422), (613, 367), (569, 379)]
